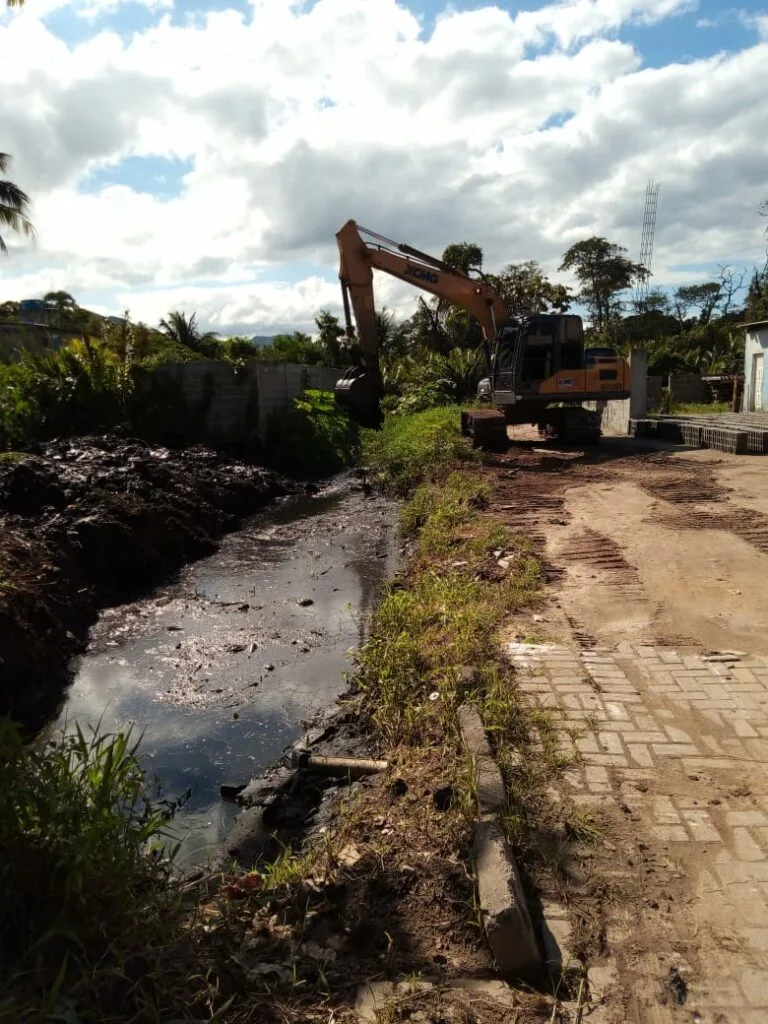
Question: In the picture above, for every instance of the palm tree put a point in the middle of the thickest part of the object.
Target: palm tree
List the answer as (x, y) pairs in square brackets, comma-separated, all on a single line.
[(62, 304), (184, 331), (13, 206)]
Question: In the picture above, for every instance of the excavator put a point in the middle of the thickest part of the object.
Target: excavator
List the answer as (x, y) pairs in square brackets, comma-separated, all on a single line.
[(539, 371)]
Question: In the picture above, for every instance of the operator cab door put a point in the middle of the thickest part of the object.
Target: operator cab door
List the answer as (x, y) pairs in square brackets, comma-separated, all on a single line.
[(505, 358), (553, 358)]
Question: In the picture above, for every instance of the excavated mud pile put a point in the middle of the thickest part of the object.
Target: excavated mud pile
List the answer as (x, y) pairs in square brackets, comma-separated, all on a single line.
[(89, 521)]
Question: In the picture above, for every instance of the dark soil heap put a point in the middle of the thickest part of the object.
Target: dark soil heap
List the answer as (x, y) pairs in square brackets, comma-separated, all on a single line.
[(89, 521)]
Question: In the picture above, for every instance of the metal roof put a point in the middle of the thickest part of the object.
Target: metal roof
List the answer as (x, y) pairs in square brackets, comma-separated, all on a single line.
[(757, 323)]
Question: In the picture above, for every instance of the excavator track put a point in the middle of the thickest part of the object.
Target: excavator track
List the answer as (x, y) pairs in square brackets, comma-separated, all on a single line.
[(486, 428), (573, 425)]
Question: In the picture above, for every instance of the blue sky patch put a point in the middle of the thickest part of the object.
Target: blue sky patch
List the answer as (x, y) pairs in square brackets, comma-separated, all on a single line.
[(160, 176)]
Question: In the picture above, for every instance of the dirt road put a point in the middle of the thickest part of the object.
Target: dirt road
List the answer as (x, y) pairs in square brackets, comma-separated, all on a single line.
[(656, 664)]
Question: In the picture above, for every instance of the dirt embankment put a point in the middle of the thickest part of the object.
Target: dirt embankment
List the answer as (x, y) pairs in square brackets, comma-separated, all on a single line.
[(89, 521)]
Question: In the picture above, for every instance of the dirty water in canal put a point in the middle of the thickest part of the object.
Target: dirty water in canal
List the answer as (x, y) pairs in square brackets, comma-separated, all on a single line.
[(220, 668)]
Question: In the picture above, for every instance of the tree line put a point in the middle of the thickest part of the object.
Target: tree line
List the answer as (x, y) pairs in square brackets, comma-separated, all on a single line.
[(693, 328)]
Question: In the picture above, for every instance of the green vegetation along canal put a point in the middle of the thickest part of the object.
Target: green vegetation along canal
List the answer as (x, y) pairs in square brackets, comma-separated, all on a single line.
[(221, 667)]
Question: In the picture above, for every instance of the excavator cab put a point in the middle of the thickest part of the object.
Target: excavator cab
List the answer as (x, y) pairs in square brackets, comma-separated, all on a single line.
[(359, 393)]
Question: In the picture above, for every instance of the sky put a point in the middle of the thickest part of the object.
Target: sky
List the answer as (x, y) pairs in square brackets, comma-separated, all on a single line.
[(201, 154)]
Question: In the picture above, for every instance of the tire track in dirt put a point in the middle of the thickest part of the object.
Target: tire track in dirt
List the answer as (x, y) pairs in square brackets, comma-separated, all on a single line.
[(691, 490), (604, 554)]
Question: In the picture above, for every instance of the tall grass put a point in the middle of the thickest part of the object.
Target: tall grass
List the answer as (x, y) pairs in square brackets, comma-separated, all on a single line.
[(79, 887), (413, 448)]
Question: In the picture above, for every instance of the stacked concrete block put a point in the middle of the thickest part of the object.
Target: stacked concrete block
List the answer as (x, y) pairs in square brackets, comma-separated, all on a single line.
[(735, 433)]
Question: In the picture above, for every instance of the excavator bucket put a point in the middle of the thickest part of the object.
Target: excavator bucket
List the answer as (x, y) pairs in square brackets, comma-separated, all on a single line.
[(358, 392)]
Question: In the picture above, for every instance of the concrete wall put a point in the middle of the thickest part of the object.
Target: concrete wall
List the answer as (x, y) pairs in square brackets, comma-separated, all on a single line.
[(688, 387), (756, 345), (229, 406), (17, 337), (277, 383), (616, 415)]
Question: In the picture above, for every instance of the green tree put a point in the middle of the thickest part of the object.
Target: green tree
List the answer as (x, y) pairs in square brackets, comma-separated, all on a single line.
[(463, 256), (526, 289), (603, 272), (297, 347), (702, 297), (438, 325), (60, 301), (238, 347), (329, 335), (652, 320), (63, 305), (392, 333), (14, 203), (184, 330), (757, 295)]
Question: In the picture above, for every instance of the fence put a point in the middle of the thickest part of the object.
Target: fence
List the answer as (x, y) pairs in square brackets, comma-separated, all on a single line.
[(228, 405)]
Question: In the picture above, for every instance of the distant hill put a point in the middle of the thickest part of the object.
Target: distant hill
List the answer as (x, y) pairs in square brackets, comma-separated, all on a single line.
[(261, 340)]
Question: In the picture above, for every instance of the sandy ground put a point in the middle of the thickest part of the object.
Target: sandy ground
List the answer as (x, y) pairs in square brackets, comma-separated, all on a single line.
[(657, 560)]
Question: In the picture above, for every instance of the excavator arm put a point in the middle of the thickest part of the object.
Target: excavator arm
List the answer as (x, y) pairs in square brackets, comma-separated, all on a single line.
[(360, 390)]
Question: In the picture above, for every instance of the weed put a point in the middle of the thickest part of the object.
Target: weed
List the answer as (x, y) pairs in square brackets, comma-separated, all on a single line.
[(416, 448), (289, 868), (583, 827)]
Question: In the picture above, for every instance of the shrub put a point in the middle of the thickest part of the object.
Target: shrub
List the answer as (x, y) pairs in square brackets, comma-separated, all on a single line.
[(61, 393), (312, 437)]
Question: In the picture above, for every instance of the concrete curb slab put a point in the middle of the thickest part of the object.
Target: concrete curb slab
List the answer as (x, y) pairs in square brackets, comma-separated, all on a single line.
[(507, 923)]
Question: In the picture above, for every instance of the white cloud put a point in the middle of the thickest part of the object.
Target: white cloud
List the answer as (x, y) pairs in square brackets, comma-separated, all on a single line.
[(295, 119), (88, 9)]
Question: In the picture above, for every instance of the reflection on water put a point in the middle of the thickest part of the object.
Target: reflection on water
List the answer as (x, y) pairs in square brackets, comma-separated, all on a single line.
[(220, 669)]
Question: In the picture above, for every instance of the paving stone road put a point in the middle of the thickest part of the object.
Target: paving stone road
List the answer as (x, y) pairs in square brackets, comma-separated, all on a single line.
[(676, 745)]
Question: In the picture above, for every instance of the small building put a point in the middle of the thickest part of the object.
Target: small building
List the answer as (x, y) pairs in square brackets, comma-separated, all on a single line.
[(755, 382)]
